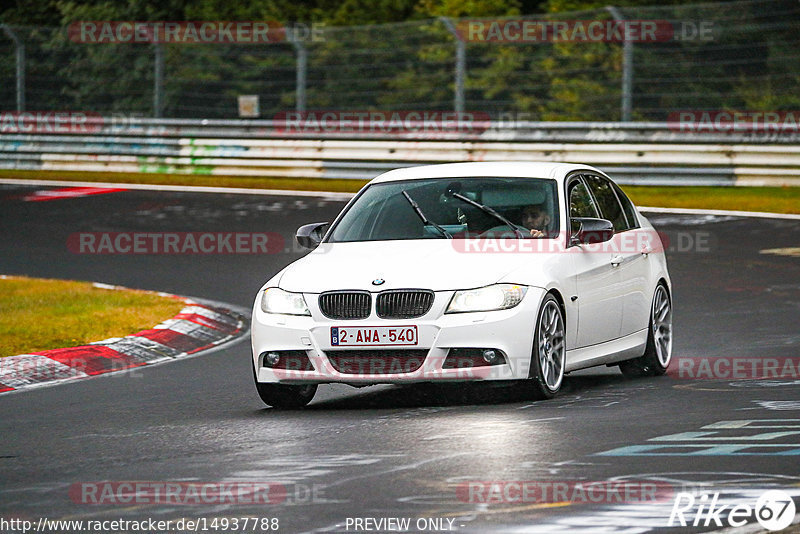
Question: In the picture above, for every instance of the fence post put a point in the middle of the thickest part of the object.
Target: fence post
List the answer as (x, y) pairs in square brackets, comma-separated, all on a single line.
[(627, 68), (20, 59), (158, 80), (302, 68), (461, 65)]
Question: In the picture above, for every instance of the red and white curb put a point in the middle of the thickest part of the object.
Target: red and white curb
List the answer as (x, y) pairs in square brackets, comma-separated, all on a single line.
[(69, 192), (199, 326)]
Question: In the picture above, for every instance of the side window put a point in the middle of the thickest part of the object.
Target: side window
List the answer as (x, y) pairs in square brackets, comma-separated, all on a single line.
[(627, 207), (580, 202), (607, 202)]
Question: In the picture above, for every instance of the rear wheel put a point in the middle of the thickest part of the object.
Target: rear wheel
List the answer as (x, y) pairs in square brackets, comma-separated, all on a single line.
[(549, 350), (284, 395), (658, 352)]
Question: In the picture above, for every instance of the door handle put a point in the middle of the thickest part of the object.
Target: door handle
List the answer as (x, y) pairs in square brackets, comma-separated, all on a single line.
[(646, 250), (616, 260)]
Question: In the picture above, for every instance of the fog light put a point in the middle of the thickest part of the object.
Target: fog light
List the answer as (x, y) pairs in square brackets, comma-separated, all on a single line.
[(272, 358), (460, 358)]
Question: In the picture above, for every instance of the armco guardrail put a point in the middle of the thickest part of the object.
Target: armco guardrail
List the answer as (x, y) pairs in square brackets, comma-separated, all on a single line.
[(633, 153)]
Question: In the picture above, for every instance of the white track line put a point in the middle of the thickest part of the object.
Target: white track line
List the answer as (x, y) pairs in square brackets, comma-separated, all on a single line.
[(692, 211), (341, 196)]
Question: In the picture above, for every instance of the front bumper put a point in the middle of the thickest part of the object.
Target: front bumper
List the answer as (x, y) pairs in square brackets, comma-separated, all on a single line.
[(510, 331)]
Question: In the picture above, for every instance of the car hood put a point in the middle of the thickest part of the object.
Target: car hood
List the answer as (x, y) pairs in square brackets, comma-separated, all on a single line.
[(436, 264)]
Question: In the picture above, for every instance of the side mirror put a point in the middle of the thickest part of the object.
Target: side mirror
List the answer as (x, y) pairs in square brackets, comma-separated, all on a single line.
[(310, 235), (591, 230)]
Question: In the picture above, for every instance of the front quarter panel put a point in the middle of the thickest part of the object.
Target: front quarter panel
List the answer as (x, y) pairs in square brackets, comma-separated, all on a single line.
[(552, 272)]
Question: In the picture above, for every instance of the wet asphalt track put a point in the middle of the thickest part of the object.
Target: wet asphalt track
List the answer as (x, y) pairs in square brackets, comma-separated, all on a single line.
[(397, 451)]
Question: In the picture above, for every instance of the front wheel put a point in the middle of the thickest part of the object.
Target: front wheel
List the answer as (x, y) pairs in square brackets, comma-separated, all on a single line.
[(658, 352), (549, 351), (284, 395)]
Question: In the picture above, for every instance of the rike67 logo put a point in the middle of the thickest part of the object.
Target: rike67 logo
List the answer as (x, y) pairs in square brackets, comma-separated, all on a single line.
[(774, 510)]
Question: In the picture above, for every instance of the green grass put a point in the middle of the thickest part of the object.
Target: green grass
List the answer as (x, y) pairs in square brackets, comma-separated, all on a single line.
[(769, 199), (38, 314)]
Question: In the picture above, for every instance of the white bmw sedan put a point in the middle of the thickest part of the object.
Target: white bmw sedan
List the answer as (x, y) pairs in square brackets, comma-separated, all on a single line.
[(467, 272)]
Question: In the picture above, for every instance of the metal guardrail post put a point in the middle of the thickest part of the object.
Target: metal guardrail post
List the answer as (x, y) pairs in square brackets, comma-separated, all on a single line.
[(302, 69), (158, 80), (20, 60), (627, 67), (461, 65)]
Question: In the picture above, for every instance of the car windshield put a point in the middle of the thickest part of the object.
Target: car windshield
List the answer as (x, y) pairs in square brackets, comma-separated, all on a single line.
[(397, 210)]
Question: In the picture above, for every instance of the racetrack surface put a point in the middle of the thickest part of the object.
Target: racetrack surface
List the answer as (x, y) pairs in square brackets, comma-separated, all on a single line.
[(389, 451)]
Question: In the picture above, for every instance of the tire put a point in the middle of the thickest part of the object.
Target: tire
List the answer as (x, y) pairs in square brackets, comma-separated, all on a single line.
[(548, 354), (658, 352), (284, 395)]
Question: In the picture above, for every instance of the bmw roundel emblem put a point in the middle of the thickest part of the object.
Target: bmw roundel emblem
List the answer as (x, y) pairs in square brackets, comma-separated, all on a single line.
[(378, 282)]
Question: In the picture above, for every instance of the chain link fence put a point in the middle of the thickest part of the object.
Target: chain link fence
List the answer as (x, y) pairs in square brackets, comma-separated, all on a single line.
[(732, 55)]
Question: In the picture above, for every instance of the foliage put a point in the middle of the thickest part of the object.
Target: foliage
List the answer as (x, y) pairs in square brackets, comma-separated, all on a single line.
[(397, 54)]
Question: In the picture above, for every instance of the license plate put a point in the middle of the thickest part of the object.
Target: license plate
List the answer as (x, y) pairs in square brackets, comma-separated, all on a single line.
[(373, 336)]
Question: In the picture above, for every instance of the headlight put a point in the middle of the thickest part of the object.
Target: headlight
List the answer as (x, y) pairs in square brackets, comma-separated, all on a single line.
[(496, 297), (275, 300)]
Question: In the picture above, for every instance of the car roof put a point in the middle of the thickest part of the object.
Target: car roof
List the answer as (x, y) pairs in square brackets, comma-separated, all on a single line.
[(520, 169)]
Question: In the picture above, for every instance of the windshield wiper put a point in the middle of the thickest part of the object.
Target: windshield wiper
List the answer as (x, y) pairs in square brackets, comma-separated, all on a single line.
[(425, 220), (490, 211)]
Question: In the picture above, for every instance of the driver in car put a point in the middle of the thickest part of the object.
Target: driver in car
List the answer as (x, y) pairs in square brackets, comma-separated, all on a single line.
[(536, 219)]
